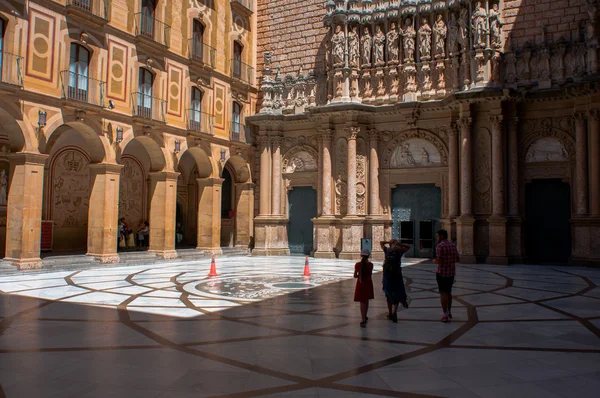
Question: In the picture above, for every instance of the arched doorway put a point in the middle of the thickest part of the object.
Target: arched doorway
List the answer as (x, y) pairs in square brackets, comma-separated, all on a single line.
[(237, 203), (227, 209)]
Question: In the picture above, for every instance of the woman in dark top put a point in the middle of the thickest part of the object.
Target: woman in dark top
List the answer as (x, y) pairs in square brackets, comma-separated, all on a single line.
[(393, 282), (364, 284)]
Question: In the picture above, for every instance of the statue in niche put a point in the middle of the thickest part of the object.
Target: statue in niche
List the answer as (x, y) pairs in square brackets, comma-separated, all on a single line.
[(441, 32), (409, 40), (338, 40), (3, 188), (367, 44), (353, 45), (478, 24), (424, 156), (495, 26), (379, 41), (452, 34), (463, 29), (392, 43), (425, 40)]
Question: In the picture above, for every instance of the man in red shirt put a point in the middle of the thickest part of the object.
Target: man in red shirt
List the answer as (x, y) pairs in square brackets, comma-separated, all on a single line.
[(446, 259)]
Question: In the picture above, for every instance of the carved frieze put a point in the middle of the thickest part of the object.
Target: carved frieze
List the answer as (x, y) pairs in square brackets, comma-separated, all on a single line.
[(424, 149)]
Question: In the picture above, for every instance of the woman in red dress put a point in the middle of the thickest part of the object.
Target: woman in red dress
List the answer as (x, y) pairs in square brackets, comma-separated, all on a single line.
[(364, 285)]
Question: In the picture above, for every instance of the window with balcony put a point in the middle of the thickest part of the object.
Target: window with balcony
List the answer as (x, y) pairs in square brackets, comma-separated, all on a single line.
[(79, 65), (237, 59), (147, 18), (144, 103), (196, 109), (198, 40), (236, 120)]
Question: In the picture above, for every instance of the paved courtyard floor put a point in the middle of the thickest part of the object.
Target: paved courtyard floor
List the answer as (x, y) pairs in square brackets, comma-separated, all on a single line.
[(262, 329)]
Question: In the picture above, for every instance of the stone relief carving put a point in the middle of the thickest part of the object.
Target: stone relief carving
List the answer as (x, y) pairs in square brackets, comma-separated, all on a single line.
[(482, 172), (341, 191), (353, 47), (392, 44), (339, 42), (70, 189), (367, 45), (409, 34), (495, 26), (441, 32), (478, 25), (452, 34), (131, 192), (416, 152), (463, 28), (300, 158), (379, 44), (425, 40), (546, 149), (361, 176)]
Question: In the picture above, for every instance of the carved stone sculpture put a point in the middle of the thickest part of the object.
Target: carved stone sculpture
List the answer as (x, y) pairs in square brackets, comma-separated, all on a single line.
[(478, 24), (353, 47), (379, 44), (425, 40), (441, 32), (366, 44), (452, 34), (409, 41), (338, 40), (463, 29), (495, 27), (392, 44)]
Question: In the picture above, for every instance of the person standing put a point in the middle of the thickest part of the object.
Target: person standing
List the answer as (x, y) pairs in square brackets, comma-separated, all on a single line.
[(178, 234), (446, 258), (393, 281), (363, 270)]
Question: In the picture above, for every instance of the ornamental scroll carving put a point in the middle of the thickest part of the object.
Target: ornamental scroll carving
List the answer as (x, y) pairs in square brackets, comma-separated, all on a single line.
[(361, 176), (437, 153), (70, 189), (299, 159)]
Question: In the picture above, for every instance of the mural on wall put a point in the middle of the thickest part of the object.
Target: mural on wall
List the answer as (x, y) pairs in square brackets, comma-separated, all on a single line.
[(70, 189), (131, 192), (415, 152), (117, 71), (546, 149), (40, 51)]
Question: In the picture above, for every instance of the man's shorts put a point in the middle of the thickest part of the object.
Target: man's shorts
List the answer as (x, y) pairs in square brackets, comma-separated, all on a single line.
[(444, 283)]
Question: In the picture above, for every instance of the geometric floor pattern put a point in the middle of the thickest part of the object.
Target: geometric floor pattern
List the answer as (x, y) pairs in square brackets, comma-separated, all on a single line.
[(261, 329)]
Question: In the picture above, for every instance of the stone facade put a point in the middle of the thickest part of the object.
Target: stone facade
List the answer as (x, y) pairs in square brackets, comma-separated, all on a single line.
[(464, 95), (125, 108)]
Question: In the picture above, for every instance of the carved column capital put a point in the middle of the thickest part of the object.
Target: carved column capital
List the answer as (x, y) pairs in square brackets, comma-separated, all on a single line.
[(594, 114), (496, 122), (453, 130), (263, 141), (351, 132), (276, 141), (326, 134), (580, 117), (465, 123), (374, 135)]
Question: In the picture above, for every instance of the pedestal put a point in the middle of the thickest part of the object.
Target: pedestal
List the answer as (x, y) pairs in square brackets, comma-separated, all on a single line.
[(324, 227), (585, 246), (352, 233), (497, 255), (465, 227), (271, 236), (514, 245)]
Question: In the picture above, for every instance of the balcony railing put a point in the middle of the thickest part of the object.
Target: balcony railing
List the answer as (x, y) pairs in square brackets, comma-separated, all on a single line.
[(242, 71), (152, 29), (81, 88), (97, 8), (199, 122), (11, 69), (245, 5), (148, 107), (201, 52), (241, 133)]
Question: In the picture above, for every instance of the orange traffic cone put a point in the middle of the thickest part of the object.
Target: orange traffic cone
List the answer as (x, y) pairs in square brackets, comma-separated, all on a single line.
[(213, 267), (306, 267)]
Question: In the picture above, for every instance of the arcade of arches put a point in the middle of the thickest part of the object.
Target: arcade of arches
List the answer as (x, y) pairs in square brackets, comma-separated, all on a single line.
[(64, 187)]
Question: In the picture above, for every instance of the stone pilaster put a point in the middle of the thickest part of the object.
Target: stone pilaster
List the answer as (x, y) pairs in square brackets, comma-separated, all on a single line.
[(209, 215), (466, 223), (352, 228), (514, 231), (324, 224), (265, 172), (24, 210), (375, 222), (497, 222), (276, 173), (351, 135), (449, 223), (244, 218), (163, 205), (594, 141), (103, 213), (581, 249)]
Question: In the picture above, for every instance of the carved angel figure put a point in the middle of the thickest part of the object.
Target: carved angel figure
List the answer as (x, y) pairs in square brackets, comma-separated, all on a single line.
[(353, 47), (425, 40), (409, 40), (478, 24), (495, 27), (338, 40), (441, 31), (379, 41), (366, 44), (392, 43)]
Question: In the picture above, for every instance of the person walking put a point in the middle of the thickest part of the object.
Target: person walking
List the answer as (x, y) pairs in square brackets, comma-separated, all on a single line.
[(393, 281), (363, 270), (446, 258)]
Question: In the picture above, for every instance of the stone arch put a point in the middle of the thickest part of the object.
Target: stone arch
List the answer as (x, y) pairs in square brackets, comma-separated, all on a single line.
[(158, 162), (202, 160), (17, 128), (240, 169), (401, 137), (89, 130), (306, 155), (531, 137)]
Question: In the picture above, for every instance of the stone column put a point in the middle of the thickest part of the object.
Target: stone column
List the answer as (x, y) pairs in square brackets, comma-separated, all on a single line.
[(24, 210), (244, 218), (324, 224), (276, 173), (514, 249), (351, 134), (453, 186), (374, 205), (497, 221), (209, 215), (265, 172), (163, 205), (594, 140), (326, 136), (103, 212), (581, 165), (466, 222)]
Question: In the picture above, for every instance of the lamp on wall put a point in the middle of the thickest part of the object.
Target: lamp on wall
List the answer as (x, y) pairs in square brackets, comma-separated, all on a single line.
[(41, 118), (177, 146), (119, 137), (223, 155)]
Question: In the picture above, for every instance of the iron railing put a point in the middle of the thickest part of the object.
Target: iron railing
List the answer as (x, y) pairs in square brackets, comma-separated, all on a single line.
[(82, 88), (242, 71), (246, 3), (201, 52), (11, 69), (99, 8), (199, 121), (148, 107), (240, 133), (152, 29)]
